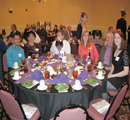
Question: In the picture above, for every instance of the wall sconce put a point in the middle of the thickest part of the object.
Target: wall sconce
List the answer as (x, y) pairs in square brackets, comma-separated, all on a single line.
[(10, 10)]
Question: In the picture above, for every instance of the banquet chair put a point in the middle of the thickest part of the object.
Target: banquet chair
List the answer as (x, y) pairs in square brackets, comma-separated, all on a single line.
[(14, 110), (5, 69), (113, 108), (98, 48), (71, 112), (112, 93)]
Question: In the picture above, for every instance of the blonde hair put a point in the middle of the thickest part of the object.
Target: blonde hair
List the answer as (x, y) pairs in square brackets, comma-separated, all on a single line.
[(88, 45)]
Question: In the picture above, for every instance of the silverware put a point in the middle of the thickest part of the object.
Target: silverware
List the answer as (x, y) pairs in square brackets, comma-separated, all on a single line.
[(85, 87)]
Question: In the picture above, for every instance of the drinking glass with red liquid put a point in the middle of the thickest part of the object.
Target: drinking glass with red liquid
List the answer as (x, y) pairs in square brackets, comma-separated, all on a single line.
[(48, 54), (25, 68), (89, 68), (75, 74), (46, 75), (23, 61), (33, 56)]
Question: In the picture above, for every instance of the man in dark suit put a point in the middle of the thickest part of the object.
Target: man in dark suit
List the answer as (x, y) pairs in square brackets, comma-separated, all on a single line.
[(122, 24), (14, 30)]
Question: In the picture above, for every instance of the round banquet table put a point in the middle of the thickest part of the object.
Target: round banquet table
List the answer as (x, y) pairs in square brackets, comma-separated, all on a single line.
[(49, 103)]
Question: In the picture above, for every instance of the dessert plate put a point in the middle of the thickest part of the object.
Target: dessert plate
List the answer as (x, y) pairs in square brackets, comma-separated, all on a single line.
[(77, 88), (42, 88)]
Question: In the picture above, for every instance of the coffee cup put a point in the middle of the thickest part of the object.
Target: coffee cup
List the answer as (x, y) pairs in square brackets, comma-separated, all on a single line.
[(77, 84), (100, 74), (16, 75), (15, 64), (99, 64), (42, 83)]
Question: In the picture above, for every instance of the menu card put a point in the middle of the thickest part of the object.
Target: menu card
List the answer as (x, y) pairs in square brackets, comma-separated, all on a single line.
[(29, 110), (101, 106)]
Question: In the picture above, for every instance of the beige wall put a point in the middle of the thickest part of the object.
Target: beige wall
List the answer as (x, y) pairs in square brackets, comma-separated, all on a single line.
[(101, 13)]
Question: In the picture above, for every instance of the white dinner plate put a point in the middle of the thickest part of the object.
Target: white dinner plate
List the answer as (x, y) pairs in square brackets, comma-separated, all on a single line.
[(17, 79), (15, 67), (75, 88), (39, 88), (100, 78), (100, 67)]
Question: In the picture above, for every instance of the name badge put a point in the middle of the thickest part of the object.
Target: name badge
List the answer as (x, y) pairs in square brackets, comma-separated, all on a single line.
[(117, 58), (19, 55)]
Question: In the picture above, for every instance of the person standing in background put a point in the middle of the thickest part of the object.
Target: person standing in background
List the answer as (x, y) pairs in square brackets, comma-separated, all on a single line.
[(81, 27), (122, 24)]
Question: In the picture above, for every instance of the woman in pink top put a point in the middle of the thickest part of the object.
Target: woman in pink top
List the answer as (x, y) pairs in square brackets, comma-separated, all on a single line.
[(87, 47)]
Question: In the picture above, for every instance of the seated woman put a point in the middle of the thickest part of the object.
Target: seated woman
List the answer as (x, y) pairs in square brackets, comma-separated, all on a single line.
[(60, 44), (31, 47), (118, 74), (87, 47)]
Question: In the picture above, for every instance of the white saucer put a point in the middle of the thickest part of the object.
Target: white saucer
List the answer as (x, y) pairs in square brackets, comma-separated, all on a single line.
[(45, 87), (100, 77), (15, 67), (74, 87), (100, 67), (17, 79)]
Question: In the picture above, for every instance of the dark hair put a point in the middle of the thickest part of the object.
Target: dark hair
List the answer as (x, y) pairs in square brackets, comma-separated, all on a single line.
[(110, 27), (16, 34), (33, 26), (55, 25), (14, 26), (123, 13), (83, 14), (31, 32), (97, 33), (122, 41), (62, 32)]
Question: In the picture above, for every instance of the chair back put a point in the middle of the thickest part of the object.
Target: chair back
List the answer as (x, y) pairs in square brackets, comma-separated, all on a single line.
[(71, 112), (116, 102), (1, 67), (11, 106), (5, 66), (98, 48), (129, 80)]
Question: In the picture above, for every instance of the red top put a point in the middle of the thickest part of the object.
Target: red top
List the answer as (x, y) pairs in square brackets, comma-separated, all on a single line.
[(92, 50)]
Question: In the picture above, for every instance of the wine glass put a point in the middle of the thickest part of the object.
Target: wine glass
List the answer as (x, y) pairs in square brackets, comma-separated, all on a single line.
[(46, 75), (89, 68), (33, 56), (23, 62), (75, 74)]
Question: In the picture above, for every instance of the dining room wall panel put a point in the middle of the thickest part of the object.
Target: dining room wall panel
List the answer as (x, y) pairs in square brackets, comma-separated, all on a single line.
[(101, 14)]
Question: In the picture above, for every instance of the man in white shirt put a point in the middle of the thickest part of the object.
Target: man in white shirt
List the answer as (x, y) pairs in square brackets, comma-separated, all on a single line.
[(66, 46)]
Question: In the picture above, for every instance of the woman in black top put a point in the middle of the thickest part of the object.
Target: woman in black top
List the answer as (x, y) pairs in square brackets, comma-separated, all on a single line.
[(120, 64), (81, 26), (118, 74)]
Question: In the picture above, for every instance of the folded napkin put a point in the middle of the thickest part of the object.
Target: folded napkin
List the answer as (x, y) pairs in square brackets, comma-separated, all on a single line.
[(56, 56), (37, 75), (84, 61), (41, 58), (50, 69), (77, 59), (61, 78), (31, 61), (83, 75)]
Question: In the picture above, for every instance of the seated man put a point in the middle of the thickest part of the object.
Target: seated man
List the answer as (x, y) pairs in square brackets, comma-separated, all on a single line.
[(15, 53), (65, 46), (97, 40), (106, 51)]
